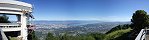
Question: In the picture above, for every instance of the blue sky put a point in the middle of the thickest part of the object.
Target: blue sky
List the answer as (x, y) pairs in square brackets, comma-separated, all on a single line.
[(102, 10)]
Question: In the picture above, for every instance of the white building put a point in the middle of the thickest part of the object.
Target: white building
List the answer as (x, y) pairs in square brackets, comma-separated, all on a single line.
[(22, 11)]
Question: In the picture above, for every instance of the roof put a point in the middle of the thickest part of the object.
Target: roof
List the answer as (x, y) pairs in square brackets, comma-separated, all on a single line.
[(16, 2)]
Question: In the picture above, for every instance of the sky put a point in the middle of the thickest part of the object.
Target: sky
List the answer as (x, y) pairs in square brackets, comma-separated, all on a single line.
[(102, 10)]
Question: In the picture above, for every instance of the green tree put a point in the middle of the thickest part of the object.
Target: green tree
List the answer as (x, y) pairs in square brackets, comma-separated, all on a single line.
[(97, 36), (65, 37), (89, 38), (139, 20), (32, 36), (50, 36)]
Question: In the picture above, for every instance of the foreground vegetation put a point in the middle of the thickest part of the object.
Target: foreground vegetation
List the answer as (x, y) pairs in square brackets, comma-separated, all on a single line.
[(117, 35)]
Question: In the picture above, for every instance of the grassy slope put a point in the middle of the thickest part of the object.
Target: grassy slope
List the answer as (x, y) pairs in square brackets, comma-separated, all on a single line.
[(116, 34)]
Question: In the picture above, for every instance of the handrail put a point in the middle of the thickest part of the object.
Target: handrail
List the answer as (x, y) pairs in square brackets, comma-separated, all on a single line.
[(141, 35), (9, 24)]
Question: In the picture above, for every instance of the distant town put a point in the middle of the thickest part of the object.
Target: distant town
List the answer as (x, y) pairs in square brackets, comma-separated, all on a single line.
[(73, 27)]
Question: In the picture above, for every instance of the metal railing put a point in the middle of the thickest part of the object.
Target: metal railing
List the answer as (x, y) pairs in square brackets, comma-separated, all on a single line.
[(141, 35)]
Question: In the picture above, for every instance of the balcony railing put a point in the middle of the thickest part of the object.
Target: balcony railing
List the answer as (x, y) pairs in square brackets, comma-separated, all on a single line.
[(9, 25), (141, 35)]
